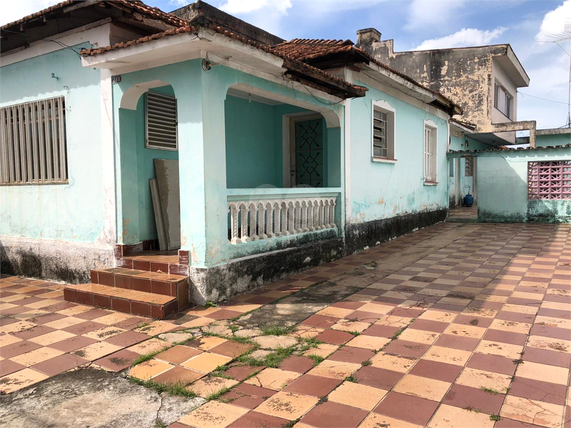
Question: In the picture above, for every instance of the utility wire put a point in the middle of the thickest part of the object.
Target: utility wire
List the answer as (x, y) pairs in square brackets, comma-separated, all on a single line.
[(539, 98)]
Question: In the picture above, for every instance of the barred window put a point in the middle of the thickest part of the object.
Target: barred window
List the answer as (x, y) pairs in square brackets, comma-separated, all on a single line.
[(161, 121), (469, 166), (33, 143), (383, 132), (549, 180)]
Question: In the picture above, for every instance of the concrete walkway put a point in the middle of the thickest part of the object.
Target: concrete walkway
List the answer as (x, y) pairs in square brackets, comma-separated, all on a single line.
[(456, 325)]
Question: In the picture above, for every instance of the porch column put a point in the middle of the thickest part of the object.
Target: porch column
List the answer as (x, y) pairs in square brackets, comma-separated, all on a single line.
[(202, 166)]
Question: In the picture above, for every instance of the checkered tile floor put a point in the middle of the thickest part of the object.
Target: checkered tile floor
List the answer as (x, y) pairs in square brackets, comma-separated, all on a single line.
[(457, 325)]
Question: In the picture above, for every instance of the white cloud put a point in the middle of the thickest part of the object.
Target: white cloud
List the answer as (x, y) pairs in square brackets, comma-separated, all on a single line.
[(464, 37), (14, 10), (249, 6), (556, 24), (426, 13)]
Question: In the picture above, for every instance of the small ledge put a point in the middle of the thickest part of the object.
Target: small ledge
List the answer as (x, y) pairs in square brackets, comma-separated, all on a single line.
[(384, 160), (431, 183)]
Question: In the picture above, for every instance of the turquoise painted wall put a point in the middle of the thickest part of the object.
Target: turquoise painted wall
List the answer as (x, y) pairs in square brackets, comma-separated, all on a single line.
[(382, 190), (254, 142), (74, 211), (502, 187), (553, 140), (251, 148), (203, 183)]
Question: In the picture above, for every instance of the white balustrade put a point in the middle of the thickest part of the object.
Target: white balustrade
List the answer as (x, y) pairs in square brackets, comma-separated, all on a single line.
[(256, 220)]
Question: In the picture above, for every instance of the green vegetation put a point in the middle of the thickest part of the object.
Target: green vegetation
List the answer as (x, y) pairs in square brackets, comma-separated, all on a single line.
[(216, 395), (274, 330), (147, 357), (352, 379), (495, 417), (317, 359), (366, 363), (172, 389)]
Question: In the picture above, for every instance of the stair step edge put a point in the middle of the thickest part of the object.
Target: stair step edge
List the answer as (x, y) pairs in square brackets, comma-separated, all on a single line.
[(122, 293)]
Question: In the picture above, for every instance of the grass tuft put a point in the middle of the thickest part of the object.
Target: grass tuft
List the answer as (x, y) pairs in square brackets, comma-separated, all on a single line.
[(366, 363), (142, 358), (352, 379), (172, 389), (495, 417), (317, 359), (216, 395), (274, 330)]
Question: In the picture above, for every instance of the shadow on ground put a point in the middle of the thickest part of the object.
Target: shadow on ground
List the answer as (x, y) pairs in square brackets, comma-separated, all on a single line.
[(91, 398)]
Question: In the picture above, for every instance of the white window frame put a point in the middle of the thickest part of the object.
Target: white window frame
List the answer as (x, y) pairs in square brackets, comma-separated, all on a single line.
[(160, 142), (391, 132), (430, 170), (501, 93), (33, 143)]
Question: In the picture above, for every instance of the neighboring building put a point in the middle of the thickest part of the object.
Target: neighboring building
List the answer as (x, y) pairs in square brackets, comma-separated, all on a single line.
[(483, 80)]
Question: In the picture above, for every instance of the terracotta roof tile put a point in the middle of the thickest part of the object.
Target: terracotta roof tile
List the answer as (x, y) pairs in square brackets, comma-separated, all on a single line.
[(135, 5), (310, 49), (304, 49), (289, 62)]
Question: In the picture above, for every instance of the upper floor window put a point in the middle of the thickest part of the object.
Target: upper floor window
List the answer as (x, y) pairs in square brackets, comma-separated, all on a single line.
[(161, 121), (503, 101), (383, 132), (430, 152), (33, 143)]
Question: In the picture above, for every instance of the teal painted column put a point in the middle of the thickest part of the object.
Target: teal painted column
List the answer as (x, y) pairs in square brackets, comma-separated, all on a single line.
[(202, 166), (128, 230)]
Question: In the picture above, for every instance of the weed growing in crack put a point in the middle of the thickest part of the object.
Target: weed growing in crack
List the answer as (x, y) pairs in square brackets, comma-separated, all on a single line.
[(142, 358), (352, 379), (490, 390), (172, 389), (354, 333), (274, 330), (317, 359), (366, 363), (495, 417), (218, 394), (273, 359), (401, 330), (291, 424)]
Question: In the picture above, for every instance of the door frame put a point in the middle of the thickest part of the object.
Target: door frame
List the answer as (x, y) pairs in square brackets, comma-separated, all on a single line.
[(289, 121)]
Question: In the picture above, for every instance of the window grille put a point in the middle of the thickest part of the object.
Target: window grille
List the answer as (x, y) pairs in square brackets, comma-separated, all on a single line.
[(549, 180), (161, 121), (33, 143), (469, 167), (430, 155), (380, 146)]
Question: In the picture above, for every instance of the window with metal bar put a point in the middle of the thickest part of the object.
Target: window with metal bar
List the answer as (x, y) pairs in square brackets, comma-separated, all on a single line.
[(161, 121), (383, 134), (549, 180), (33, 143), (430, 154)]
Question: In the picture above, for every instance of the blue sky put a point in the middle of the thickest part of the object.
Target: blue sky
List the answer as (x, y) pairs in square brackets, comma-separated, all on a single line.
[(529, 26)]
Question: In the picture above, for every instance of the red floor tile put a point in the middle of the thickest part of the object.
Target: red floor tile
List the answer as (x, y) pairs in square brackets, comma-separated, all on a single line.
[(407, 408), (334, 415)]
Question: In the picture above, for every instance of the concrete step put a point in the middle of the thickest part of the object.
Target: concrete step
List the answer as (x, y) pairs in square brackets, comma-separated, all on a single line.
[(148, 282), (123, 300)]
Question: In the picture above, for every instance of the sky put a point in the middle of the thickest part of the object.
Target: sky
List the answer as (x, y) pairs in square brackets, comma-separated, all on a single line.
[(538, 30)]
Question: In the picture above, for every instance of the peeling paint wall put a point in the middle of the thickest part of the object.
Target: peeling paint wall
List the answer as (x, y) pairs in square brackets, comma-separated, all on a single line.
[(60, 231), (502, 187), (380, 190)]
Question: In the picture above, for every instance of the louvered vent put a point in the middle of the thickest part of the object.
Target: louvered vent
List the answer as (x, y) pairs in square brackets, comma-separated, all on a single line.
[(161, 121)]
